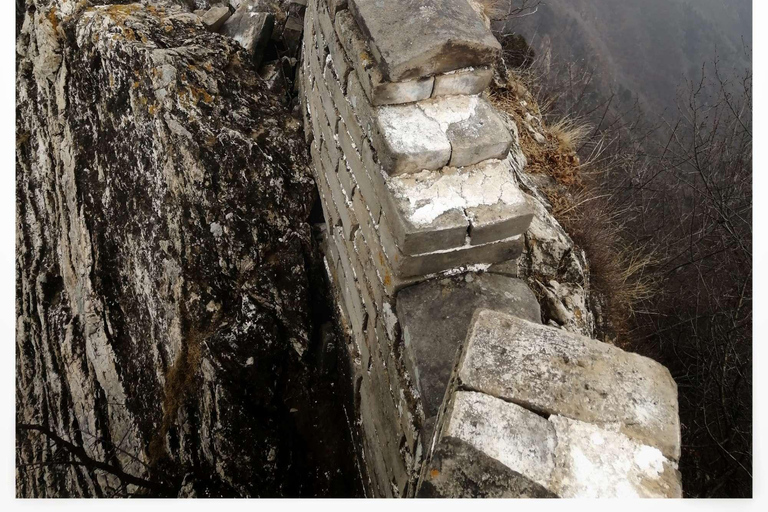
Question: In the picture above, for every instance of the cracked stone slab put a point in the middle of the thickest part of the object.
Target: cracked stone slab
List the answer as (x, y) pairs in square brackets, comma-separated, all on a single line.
[(407, 140), (592, 462), (521, 440), (484, 199), (435, 316), (419, 38), (405, 266), (556, 372), (452, 130)]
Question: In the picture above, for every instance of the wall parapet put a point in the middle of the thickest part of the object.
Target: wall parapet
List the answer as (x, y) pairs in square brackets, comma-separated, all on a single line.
[(416, 173)]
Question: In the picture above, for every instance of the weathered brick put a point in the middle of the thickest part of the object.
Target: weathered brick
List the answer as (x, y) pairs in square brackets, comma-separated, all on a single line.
[(343, 204), (346, 179), (463, 81), (359, 171), (354, 304), (326, 199)]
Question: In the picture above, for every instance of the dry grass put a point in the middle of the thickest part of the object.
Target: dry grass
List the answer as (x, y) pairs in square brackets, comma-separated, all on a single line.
[(619, 273), (569, 134)]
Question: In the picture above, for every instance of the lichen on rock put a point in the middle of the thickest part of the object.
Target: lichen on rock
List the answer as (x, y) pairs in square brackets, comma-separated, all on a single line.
[(162, 287)]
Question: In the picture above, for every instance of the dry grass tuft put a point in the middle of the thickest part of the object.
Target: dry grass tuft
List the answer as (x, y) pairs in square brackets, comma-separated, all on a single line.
[(620, 274)]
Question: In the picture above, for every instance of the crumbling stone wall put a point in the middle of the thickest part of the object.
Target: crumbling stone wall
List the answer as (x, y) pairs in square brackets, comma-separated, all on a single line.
[(424, 224)]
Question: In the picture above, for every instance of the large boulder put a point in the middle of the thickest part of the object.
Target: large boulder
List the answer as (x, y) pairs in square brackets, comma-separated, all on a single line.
[(162, 284)]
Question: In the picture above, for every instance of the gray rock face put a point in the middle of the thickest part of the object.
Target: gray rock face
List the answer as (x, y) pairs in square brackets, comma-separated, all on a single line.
[(162, 283), (555, 372), (416, 38), (251, 28), (435, 317)]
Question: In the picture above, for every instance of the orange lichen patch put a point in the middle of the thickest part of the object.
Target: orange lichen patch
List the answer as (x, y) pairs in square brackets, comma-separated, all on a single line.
[(53, 18), (434, 473), (119, 13), (198, 94), (135, 85)]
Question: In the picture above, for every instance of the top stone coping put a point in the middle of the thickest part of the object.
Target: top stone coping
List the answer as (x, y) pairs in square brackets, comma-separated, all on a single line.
[(555, 372), (419, 38)]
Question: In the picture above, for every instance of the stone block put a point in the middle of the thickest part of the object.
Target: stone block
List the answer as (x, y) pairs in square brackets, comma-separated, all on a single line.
[(250, 28), (592, 462), (484, 200), (363, 180), (463, 81), (361, 106), (459, 470), (435, 316), (390, 281), (414, 266), (341, 64), (338, 195), (491, 222), (472, 126), (553, 372), (417, 39), (453, 130), (214, 18), (348, 184), (408, 141), (292, 33), (352, 295), (521, 440), (505, 268), (323, 18), (378, 90), (326, 200)]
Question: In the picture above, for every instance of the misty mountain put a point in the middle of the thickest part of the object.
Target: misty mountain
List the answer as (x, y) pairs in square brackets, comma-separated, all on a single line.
[(641, 50)]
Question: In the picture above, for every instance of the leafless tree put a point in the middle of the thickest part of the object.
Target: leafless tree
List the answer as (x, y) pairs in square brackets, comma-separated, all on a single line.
[(67, 454)]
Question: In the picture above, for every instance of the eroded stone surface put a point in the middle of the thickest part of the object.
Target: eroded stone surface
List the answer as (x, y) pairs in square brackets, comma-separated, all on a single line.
[(416, 38), (410, 141), (379, 90), (435, 317), (458, 470), (485, 193), (556, 372), (480, 137), (465, 128), (592, 462), (521, 440), (463, 81)]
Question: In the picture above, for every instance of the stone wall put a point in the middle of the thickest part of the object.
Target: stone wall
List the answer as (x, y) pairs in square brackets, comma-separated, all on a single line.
[(424, 223)]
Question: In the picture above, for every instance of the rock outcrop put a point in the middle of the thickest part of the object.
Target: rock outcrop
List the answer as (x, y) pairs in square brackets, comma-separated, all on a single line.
[(164, 327)]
